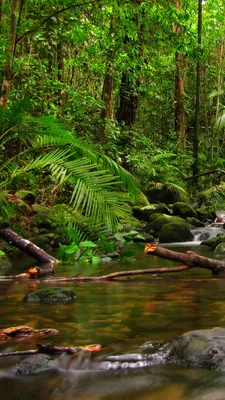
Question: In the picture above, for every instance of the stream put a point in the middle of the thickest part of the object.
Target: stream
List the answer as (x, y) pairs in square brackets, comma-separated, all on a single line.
[(126, 317)]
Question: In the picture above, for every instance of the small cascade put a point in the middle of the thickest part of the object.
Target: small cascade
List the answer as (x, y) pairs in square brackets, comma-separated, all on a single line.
[(210, 231), (207, 232)]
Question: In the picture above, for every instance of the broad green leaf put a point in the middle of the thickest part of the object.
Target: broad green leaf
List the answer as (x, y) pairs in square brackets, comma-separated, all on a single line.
[(71, 249), (87, 243), (95, 260)]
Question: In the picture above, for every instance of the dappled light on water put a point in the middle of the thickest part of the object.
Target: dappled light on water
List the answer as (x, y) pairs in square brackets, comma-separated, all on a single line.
[(131, 320)]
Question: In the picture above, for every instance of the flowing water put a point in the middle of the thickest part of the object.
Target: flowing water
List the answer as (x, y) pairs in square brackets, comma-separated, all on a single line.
[(125, 317)]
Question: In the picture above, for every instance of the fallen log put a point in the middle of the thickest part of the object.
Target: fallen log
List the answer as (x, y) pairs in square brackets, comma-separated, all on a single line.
[(25, 245), (189, 259)]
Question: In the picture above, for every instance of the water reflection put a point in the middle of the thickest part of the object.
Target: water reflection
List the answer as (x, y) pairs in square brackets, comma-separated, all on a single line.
[(121, 316)]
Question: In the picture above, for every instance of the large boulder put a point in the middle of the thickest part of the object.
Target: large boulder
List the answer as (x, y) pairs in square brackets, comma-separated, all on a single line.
[(184, 210), (145, 213), (220, 249), (175, 232), (209, 242), (51, 295), (162, 219), (214, 242), (205, 214), (201, 348), (165, 194), (195, 222)]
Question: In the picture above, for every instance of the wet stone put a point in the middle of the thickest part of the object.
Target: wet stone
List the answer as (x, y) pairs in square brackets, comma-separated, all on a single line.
[(35, 364), (53, 295)]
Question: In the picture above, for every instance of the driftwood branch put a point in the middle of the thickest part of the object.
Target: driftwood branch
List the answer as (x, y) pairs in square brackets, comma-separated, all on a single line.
[(114, 275), (189, 258), (25, 245)]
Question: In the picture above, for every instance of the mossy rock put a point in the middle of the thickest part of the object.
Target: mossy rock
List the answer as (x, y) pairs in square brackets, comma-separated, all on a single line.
[(204, 214), (158, 223), (195, 222), (165, 194), (201, 348), (219, 239), (209, 242), (184, 210), (175, 232), (53, 295), (220, 249), (143, 237), (144, 213)]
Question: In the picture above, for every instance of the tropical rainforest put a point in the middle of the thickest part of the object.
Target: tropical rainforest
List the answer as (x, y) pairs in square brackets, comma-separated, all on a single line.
[(102, 102)]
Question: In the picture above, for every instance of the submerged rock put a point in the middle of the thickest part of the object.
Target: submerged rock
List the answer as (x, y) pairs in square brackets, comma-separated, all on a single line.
[(201, 348), (53, 295), (35, 364)]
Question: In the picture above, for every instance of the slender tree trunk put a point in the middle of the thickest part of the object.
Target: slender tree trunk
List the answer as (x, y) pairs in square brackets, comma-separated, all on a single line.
[(195, 167), (128, 100), (179, 88), (60, 63), (220, 76), (6, 79), (108, 85), (1, 16), (179, 101), (129, 87)]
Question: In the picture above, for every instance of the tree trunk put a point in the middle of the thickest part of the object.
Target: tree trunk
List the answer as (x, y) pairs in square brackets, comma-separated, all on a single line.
[(108, 85), (128, 100), (6, 79), (129, 86), (195, 167), (60, 63), (179, 88)]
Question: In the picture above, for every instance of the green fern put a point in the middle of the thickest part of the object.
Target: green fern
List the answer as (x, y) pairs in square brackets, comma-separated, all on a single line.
[(100, 188)]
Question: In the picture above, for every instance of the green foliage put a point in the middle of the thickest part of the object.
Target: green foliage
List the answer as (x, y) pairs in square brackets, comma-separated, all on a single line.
[(92, 182)]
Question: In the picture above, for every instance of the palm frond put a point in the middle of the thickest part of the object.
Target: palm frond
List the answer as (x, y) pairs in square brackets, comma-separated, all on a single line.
[(83, 148)]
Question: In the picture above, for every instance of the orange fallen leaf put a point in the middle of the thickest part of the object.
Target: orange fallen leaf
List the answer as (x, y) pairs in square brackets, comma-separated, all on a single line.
[(150, 247), (33, 273)]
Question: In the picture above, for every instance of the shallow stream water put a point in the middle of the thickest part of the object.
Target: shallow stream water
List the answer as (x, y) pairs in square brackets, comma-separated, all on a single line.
[(121, 316)]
